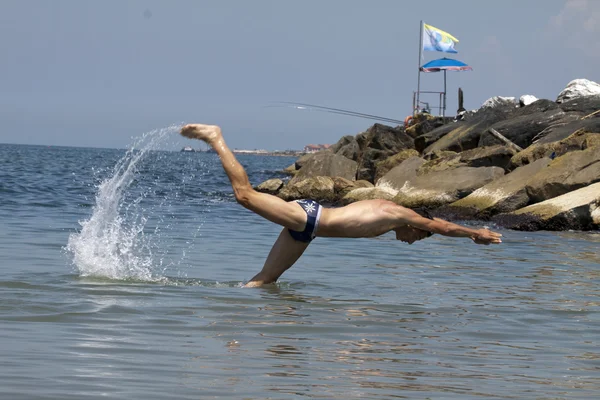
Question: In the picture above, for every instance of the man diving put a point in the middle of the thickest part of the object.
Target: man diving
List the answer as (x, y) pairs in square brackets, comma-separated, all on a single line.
[(303, 220)]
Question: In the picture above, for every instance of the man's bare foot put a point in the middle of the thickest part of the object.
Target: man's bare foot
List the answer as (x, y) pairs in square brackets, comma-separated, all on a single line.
[(208, 133)]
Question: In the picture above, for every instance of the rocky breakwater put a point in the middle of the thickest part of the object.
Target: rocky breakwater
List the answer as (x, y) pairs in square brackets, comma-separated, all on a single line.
[(529, 164)]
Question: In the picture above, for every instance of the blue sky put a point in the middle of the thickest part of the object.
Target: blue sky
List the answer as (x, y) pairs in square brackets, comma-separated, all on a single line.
[(97, 73)]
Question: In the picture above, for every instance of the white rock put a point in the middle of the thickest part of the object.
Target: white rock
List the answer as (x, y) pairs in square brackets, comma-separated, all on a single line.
[(578, 88), (497, 101), (527, 99)]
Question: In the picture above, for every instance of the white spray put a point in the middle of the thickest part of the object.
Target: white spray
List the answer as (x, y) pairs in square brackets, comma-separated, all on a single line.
[(107, 246)]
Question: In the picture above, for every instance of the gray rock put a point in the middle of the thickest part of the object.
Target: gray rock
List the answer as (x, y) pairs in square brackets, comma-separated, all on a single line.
[(398, 176), (440, 188), (326, 164), (578, 88), (505, 194), (466, 134), (521, 129), (576, 210), (319, 188), (580, 140), (564, 174), (368, 194), (378, 143), (271, 186)]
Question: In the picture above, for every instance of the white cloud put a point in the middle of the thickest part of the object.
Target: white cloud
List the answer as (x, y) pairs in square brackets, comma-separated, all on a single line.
[(577, 25)]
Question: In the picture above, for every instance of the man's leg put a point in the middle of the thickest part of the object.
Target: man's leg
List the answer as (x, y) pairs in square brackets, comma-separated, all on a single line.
[(289, 215), (282, 256)]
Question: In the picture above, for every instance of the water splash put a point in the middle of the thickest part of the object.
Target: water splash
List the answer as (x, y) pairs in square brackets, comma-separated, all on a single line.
[(112, 242)]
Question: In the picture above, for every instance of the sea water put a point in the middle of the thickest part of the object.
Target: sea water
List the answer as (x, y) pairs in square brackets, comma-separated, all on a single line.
[(121, 275)]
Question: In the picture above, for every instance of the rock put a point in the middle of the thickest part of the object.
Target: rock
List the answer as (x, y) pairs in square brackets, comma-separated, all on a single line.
[(439, 188), (505, 194), (371, 193), (400, 174), (492, 156), (344, 140), (291, 170), (426, 139), (326, 163), (384, 166), (489, 156), (499, 101), (449, 160), (525, 123), (582, 105), (351, 151), (434, 155), (576, 210), (579, 140), (271, 186), (565, 174), (562, 131), (425, 123), (578, 88), (303, 159), (319, 188), (526, 100), (466, 134), (378, 143), (342, 186)]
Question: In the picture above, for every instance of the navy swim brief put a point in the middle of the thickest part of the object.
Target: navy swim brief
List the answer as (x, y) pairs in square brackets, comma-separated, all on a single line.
[(313, 213)]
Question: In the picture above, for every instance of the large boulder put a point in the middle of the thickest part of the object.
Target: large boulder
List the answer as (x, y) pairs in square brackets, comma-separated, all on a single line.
[(378, 143), (564, 174), (576, 210), (428, 138), (300, 161), (491, 156), (499, 101), (383, 167), (578, 88), (371, 193), (348, 147), (526, 100), (341, 186), (526, 123), (271, 186), (319, 188), (582, 105), (505, 194), (572, 124), (425, 123), (580, 140), (399, 175), (442, 187), (326, 163), (466, 134)]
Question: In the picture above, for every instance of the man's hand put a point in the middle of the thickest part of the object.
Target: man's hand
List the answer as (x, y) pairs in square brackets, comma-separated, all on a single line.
[(485, 236)]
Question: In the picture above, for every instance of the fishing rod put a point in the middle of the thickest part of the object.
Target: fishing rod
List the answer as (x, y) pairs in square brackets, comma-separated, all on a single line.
[(313, 107)]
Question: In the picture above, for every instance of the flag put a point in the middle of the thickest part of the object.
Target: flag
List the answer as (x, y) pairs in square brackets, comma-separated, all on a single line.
[(438, 40)]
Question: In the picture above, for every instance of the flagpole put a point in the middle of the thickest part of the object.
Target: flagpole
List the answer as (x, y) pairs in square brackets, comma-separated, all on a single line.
[(444, 109), (419, 66)]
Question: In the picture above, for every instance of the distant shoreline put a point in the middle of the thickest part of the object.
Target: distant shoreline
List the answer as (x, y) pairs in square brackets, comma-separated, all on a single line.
[(286, 153)]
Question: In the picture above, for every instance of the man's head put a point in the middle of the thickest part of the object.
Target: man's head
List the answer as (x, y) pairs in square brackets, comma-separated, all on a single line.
[(410, 235)]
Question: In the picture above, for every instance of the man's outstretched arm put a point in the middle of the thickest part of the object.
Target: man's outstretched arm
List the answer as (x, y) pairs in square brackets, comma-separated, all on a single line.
[(445, 228)]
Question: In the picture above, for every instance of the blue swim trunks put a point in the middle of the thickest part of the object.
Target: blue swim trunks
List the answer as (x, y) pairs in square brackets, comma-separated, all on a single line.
[(313, 213)]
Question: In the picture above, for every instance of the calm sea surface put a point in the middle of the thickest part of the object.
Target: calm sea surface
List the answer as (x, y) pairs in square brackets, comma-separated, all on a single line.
[(121, 273)]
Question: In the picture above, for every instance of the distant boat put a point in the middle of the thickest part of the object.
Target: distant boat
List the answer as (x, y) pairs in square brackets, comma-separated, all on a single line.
[(188, 149)]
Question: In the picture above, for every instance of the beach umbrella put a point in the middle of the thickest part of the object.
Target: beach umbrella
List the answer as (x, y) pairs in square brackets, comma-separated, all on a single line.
[(445, 64)]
